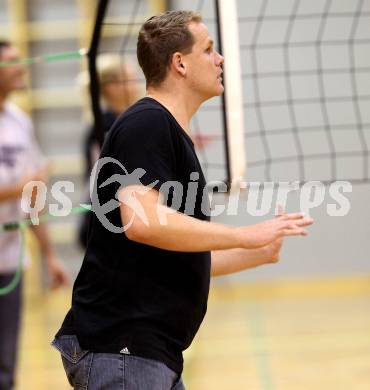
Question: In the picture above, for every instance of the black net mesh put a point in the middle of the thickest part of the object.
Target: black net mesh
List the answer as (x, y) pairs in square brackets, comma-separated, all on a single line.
[(306, 94), (306, 89), (120, 27)]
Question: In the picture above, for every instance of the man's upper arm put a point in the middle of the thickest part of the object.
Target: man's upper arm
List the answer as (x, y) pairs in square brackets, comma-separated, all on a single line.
[(138, 208)]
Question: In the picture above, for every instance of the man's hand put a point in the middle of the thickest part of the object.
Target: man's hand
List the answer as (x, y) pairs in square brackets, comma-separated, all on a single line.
[(57, 275), (267, 232), (238, 259), (271, 252)]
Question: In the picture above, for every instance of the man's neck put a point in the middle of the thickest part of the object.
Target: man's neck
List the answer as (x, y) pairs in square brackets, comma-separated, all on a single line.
[(179, 105)]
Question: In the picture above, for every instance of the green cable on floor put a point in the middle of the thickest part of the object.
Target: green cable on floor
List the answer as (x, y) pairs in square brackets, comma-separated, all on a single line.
[(17, 277), (22, 226)]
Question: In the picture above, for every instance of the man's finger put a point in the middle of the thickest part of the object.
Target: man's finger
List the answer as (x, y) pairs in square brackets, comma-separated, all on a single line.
[(280, 211), (304, 222), (296, 223), (290, 216), (295, 232)]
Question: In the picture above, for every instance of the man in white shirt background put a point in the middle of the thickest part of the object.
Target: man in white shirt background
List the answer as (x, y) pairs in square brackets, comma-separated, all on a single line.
[(20, 162)]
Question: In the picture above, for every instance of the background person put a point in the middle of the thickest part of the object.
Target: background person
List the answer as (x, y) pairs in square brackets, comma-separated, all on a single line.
[(20, 162), (119, 89)]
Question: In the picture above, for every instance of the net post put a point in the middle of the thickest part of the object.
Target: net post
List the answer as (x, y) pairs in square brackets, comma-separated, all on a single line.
[(94, 79), (232, 99)]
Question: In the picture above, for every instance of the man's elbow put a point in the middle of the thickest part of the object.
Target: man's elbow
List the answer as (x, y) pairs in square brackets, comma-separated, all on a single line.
[(139, 232)]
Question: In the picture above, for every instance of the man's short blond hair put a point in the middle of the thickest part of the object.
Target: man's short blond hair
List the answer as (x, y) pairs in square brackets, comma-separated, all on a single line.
[(159, 38)]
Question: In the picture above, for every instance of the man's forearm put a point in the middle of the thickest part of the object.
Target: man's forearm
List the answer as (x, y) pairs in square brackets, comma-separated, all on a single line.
[(11, 192), (230, 261), (42, 235), (183, 233), (14, 191)]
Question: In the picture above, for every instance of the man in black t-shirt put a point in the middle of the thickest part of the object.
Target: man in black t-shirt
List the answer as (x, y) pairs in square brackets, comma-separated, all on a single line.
[(142, 291)]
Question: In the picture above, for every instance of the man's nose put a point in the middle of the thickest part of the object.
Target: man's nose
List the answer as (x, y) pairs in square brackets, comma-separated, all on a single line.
[(221, 59)]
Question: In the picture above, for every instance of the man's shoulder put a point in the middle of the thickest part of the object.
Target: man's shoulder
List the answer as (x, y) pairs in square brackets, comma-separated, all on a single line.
[(12, 109), (142, 124), (15, 113), (145, 109), (143, 118)]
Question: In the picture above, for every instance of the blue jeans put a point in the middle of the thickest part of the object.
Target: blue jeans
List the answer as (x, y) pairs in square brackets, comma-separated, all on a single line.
[(10, 315), (108, 371)]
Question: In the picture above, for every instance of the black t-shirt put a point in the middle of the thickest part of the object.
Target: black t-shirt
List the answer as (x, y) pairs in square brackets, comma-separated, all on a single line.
[(131, 295), (91, 142)]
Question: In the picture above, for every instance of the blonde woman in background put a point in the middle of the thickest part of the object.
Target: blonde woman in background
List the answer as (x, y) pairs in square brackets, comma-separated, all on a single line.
[(119, 89)]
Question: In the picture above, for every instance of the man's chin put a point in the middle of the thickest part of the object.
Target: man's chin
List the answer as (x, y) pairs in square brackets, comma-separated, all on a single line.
[(220, 90), (216, 92)]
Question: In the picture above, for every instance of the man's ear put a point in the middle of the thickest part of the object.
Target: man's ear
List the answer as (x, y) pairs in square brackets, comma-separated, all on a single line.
[(178, 63)]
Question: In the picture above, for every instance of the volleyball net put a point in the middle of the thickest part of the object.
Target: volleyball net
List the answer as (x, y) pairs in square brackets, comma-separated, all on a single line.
[(304, 75)]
